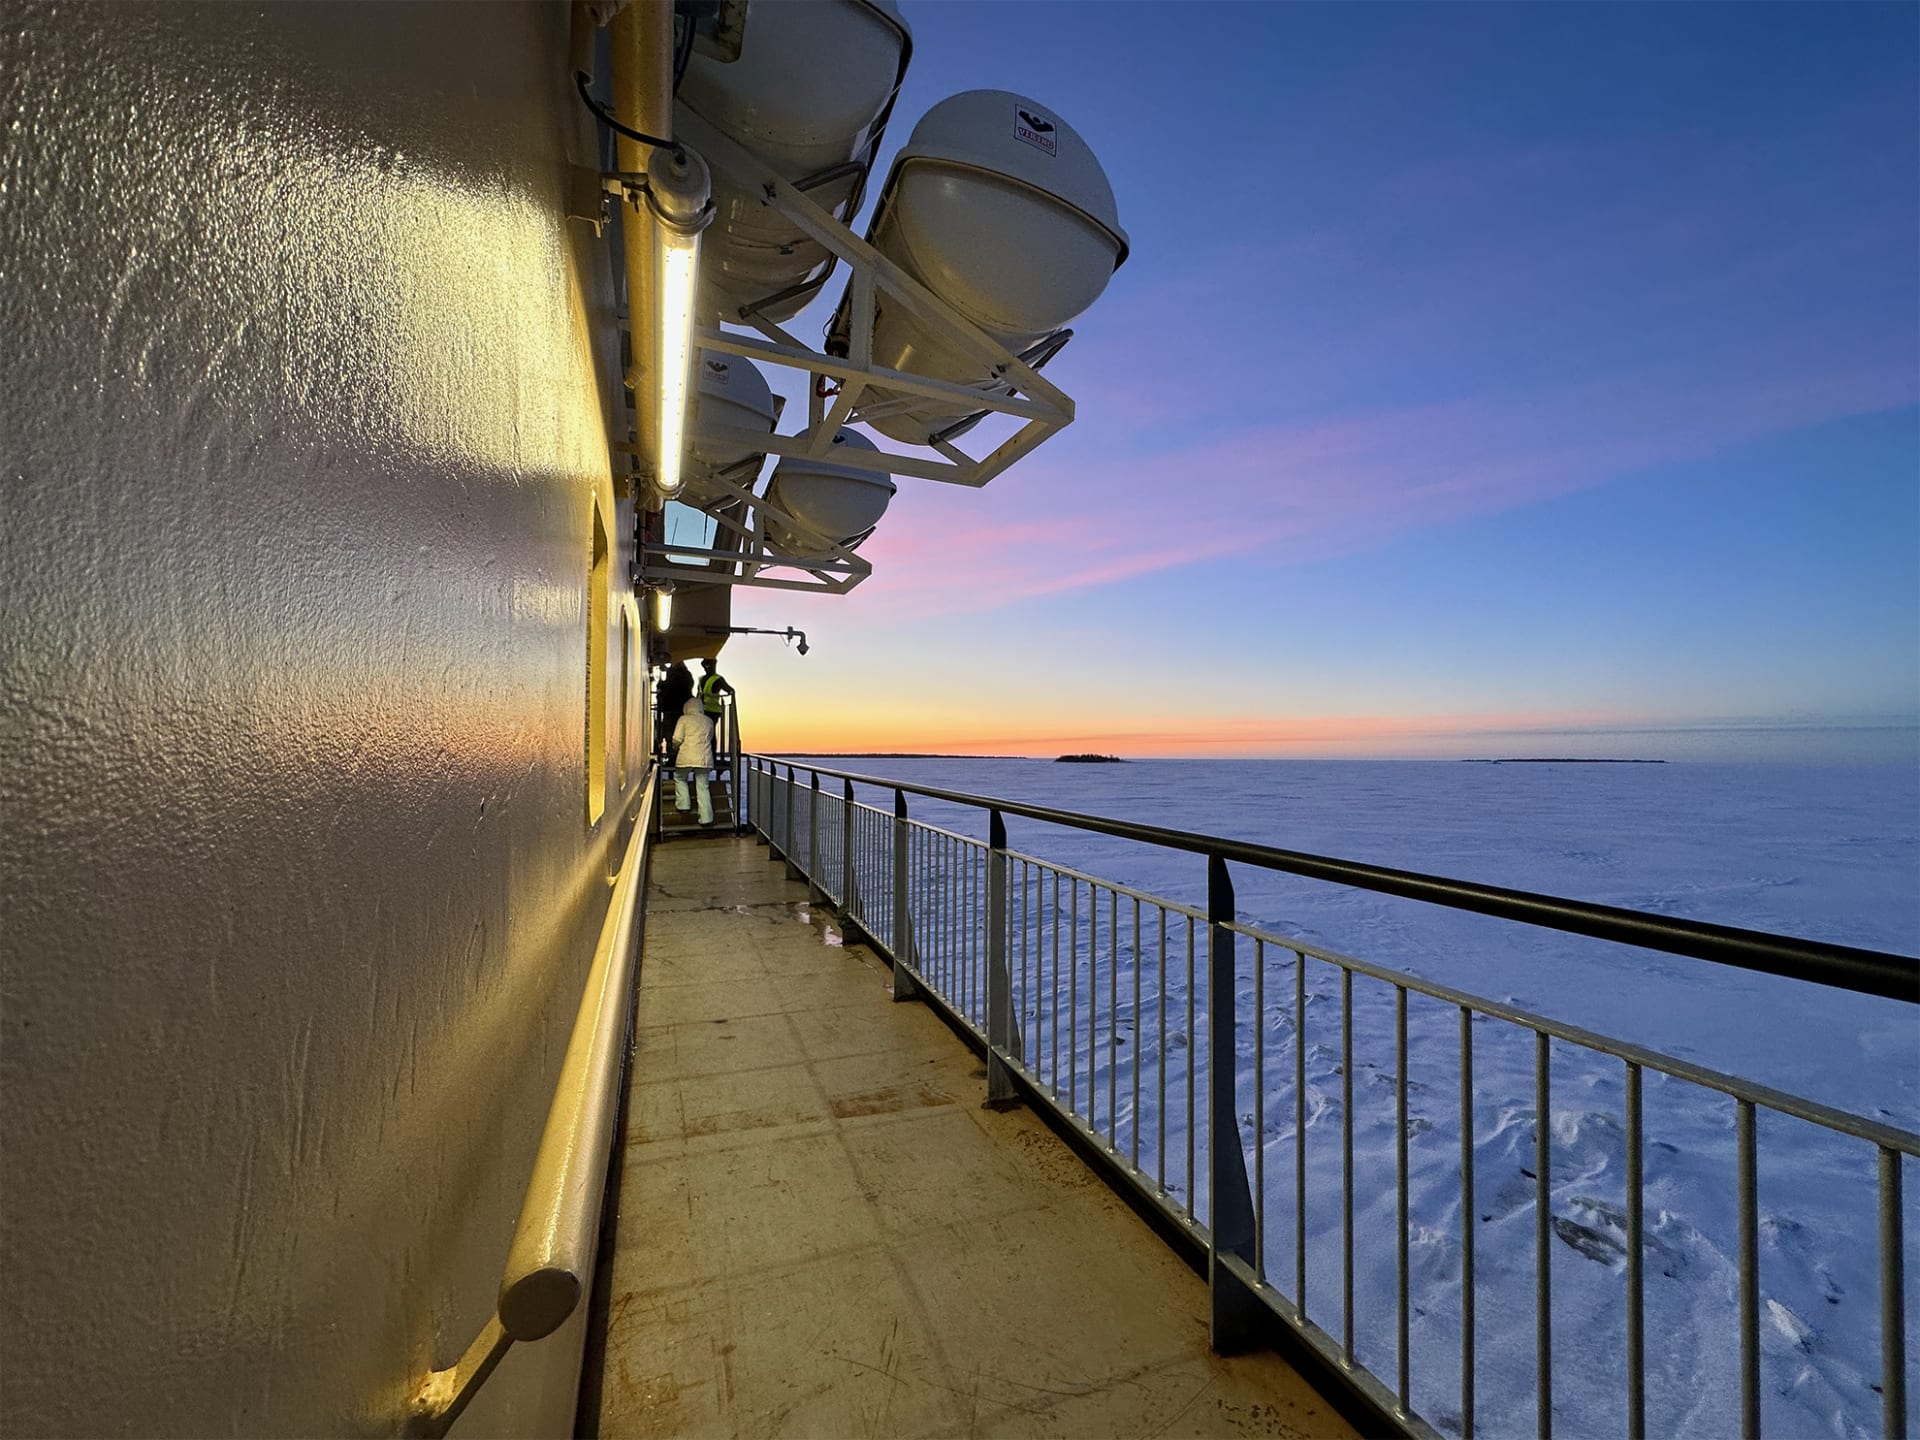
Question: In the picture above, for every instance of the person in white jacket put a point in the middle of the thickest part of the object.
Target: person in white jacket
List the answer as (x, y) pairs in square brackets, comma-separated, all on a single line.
[(693, 758)]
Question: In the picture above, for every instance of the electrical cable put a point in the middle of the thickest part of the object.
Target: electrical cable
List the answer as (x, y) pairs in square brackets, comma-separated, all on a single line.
[(606, 118), (683, 52)]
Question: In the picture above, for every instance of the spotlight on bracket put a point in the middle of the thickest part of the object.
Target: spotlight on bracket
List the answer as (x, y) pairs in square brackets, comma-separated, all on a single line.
[(796, 639)]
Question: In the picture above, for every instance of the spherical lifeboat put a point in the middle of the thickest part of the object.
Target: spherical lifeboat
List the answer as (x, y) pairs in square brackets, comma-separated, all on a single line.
[(829, 503), (730, 392), (809, 95), (999, 207)]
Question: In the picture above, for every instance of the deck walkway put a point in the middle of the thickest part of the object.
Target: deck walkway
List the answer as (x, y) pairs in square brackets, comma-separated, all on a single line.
[(822, 1233)]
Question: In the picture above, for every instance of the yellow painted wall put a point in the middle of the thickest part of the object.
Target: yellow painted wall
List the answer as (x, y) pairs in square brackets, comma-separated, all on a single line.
[(305, 380)]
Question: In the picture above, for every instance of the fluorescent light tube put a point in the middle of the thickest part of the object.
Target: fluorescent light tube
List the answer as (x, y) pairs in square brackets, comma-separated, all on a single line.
[(676, 272), (679, 193)]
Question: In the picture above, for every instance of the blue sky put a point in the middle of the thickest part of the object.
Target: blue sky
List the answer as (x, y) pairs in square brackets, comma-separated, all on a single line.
[(1479, 370)]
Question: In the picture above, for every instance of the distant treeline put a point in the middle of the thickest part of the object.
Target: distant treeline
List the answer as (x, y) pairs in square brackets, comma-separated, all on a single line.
[(1089, 760), (887, 755)]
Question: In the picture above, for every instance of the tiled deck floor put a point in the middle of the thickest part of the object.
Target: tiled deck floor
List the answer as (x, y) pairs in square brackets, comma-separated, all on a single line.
[(822, 1233)]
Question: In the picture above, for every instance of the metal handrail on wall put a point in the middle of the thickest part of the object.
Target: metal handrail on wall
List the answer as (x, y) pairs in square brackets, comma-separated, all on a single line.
[(553, 1246), (981, 930)]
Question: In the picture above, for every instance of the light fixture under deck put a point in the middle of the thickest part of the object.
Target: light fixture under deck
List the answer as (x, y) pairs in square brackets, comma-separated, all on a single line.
[(679, 193)]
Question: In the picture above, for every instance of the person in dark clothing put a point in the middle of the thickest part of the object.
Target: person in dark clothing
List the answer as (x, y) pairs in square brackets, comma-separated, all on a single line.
[(676, 689)]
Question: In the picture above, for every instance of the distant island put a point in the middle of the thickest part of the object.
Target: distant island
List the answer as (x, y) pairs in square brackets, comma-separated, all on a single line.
[(1088, 760), (1559, 760)]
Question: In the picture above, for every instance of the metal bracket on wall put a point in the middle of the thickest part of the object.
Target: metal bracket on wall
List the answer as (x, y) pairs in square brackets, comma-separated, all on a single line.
[(587, 198)]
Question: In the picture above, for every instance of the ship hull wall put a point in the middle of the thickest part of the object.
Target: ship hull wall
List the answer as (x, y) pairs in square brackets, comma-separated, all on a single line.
[(305, 454)]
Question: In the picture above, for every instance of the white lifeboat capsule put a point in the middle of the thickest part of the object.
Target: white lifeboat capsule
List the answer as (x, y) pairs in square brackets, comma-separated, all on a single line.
[(997, 206), (831, 504), (809, 96), (731, 392)]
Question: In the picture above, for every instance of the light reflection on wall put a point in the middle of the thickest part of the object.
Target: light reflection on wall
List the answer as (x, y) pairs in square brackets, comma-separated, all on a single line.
[(304, 402)]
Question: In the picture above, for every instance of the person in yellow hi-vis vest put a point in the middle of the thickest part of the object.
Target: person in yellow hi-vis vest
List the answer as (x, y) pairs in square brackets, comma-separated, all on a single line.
[(712, 686)]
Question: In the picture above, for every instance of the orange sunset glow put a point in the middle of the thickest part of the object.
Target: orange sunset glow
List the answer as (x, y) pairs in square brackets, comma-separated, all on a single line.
[(832, 728)]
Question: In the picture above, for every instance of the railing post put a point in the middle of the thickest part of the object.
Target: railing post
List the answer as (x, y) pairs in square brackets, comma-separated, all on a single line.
[(1230, 1270), (1893, 1300), (815, 893), (1003, 1034), (786, 849), (905, 986), (846, 849), (770, 797), (740, 806)]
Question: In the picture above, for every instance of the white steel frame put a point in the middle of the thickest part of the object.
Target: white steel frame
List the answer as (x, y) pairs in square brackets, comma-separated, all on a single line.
[(835, 572), (1014, 388)]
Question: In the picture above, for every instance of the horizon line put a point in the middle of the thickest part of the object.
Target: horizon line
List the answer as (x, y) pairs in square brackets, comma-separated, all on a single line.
[(1344, 759)]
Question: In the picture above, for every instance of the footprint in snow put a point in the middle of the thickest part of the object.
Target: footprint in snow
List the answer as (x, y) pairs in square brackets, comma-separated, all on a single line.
[(1789, 1238), (1600, 1245), (1597, 1230), (1789, 1325), (1414, 1087)]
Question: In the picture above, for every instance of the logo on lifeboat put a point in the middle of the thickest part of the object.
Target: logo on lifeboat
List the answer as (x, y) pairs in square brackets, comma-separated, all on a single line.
[(1036, 130)]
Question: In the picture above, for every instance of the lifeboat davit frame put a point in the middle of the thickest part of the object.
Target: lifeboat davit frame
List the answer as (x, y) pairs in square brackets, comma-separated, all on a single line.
[(1015, 388)]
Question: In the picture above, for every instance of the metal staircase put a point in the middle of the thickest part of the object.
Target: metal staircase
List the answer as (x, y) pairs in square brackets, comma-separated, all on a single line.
[(673, 823), (722, 786)]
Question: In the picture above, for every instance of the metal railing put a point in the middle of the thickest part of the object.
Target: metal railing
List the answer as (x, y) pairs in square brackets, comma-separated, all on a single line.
[(1096, 999)]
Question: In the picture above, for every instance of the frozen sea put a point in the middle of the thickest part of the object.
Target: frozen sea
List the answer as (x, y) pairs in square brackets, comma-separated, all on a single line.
[(1823, 852)]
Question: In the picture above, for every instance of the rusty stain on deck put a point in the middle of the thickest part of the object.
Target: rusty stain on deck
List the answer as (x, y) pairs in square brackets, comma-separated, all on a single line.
[(888, 1101)]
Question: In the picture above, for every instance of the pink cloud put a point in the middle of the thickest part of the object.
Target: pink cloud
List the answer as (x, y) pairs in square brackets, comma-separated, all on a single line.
[(1472, 335), (1327, 487)]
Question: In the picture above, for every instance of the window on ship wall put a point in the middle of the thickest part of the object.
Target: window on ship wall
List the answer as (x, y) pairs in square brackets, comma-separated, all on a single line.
[(598, 579), (626, 673)]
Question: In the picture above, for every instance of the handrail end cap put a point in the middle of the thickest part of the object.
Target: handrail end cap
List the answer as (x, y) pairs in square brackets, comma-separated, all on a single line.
[(538, 1303)]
